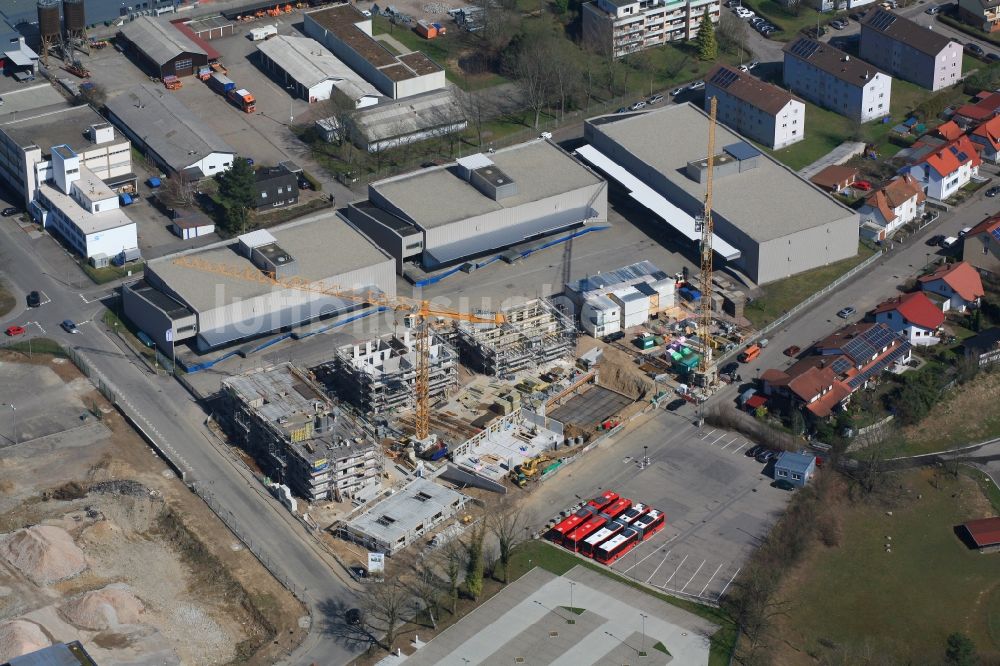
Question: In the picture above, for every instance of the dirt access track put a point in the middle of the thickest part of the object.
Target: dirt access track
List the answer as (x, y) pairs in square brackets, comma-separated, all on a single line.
[(100, 542)]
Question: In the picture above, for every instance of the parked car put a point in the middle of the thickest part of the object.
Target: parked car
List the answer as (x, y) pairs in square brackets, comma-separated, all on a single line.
[(754, 450), (792, 351), (730, 368), (764, 456), (655, 99), (675, 404), (639, 105), (753, 64), (614, 337), (948, 241), (782, 484), (697, 85), (34, 299), (935, 240), (964, 231), (862, 185), (932, 10), (838, 24), (69, 326), (15, 330), (975, 49), (624, 109), (676, 91), (845, 313), (993, 57), (8, 211), (993, 191)]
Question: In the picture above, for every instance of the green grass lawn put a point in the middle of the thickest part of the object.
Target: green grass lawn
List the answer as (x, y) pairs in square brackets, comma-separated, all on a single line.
[(783, 295), (37, 346), (558, 561), (904, 603), (111, 273), (948, 425), (788, 23), (7, 300)]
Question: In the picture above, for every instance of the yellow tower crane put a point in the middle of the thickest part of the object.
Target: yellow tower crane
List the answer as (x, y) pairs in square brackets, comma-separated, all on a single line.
[(420, 310), (707, 228)]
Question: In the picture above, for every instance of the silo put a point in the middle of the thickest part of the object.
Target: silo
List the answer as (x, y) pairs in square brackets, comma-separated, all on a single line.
[(49, 28), (75, 20)]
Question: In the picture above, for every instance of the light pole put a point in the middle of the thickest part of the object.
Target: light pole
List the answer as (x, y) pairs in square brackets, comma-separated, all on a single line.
[(571, 608), (13, 420), (642, 649)]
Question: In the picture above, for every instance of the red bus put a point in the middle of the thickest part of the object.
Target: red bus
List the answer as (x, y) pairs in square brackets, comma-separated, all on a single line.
[(633, 514), (650, 524), (559, 532), (616, 508), (575, 539), (611, 550), (602, 500), (599, 537)]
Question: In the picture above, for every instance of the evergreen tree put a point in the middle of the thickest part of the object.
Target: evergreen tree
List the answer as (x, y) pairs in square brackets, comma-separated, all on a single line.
[(236, 192), (961, 650), (708, 47)]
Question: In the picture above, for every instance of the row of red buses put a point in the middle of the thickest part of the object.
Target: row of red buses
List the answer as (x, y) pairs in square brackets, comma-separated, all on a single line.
[(575, 539), (602, 500), (650, 523), (616, 508), (616, 546), (632, 514), (599, 537), (558, 533)]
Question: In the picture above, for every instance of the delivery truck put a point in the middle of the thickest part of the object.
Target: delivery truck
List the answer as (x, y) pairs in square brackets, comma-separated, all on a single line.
[(243, 99)]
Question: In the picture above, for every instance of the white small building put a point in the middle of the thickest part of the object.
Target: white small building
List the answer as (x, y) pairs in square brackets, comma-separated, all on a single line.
[(83, 210), (947, 169), (634, 305), (600, 316), (887, 209), (913, 316), (192, 226)]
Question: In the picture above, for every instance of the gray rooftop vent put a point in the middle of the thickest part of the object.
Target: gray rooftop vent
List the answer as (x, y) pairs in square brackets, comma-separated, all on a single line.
[(493, 182), (273, 260)]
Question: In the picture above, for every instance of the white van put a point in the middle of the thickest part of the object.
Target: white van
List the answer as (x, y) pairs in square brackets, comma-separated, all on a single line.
[(949, 241)]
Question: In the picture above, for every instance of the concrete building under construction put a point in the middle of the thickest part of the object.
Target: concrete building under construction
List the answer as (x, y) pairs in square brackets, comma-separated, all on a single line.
[(379, 375), (282, 418), (533, 334)]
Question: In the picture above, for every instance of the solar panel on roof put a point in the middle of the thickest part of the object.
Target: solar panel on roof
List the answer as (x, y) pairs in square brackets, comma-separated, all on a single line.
[(996, 233), (742, 150), (963, 156), (891, 358), (724, 77), (882, 20), (880, 337), (840, 365), (859, 349), (804, 48)]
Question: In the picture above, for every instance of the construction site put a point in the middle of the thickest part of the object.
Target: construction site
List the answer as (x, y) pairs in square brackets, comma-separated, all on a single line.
[(300, 438)]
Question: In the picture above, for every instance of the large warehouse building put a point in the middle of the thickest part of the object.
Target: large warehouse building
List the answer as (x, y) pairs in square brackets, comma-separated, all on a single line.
[(313, 73), (173, 304), (169, 133), (163, 49), (769, 222), (348, 33), (447, 214)]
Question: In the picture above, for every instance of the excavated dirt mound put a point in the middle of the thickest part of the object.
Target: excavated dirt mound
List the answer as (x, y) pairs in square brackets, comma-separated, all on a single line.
[(43, 553), (619, 373), (106, 608), (20, 637)]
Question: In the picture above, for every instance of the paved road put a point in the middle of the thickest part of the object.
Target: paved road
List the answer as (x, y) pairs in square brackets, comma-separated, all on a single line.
[(168, 414)]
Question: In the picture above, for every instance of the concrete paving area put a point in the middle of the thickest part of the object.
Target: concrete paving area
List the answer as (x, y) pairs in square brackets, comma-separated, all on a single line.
[(718, 502), (528, 623), (589, 408)]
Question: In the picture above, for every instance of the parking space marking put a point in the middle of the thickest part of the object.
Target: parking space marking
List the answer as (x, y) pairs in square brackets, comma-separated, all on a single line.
[(675, 571), (730, 442), (648, 555), (706, 435), (740, 447), (714, 441), (45, 299), (728, 583), (693, 575), (711, 579), (659, 565)]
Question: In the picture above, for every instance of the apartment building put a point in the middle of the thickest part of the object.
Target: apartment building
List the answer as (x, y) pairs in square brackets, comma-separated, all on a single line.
[(621, 27), (910, 51), (836, 81), (765, 113), (983, 14)]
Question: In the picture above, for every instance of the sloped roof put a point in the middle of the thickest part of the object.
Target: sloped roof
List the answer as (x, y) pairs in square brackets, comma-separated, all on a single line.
[(835, 175), (985, 108), (915, 308), (897, 192), (984, 532), (987, 226), (949, 130), (812, 382), (835, 62), (745, 86), (961, 277), (904, 30), (990, 131), (950, 157), (161, 42)]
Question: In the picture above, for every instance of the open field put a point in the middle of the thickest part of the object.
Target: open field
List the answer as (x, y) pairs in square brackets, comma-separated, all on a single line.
[(100, 542), (899, 605), (783, 295), (948, 424), (7, 299)]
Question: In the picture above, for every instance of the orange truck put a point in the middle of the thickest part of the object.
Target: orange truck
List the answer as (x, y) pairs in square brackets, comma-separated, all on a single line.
[(171, 82), (243, 99), (426, 30), (749, 354)]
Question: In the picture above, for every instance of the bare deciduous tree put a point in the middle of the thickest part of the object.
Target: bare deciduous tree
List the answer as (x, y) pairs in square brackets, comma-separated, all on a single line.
[(508, 527), (175, 192), (385, 603), (454, 563), (531, 65), (476, 106), (426, 588), (732, 33)]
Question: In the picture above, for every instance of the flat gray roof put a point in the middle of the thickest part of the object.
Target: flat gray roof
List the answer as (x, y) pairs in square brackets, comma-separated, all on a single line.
[(55, 127), (323, 245), (160, 41), (32, 100), (168, 127), (87, 222), (400, 118), (309, 62), (768, 202), (398, 516), (437, 196)]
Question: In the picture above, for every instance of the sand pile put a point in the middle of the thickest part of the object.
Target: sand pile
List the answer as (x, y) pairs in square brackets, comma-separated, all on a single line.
[(619, 373), (105, 608), (44, 553), (20, 637), (103, 531)]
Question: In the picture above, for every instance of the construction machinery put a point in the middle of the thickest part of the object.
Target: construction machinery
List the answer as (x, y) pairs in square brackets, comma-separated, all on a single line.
[(421, 313), (76, 68), (528, 469), (706, 368)]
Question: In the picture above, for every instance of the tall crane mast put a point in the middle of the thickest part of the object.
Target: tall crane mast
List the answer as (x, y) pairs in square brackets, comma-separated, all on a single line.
[(420, 310), (707, 228)]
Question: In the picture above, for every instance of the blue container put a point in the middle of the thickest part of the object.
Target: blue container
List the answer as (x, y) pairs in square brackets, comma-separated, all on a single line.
[(154, 182)]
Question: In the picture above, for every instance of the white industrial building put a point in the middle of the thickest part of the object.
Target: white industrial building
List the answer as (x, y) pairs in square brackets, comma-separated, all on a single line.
[(393, 124), (217, 307), (83, 210), (169, 133), (482, 203), (348, 33), (404, 516), (313, 72), (40, 119), (769, 222), (616, 300)]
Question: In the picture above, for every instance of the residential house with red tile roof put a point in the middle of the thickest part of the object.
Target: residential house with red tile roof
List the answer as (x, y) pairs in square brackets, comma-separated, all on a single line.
[(839, 365), (980, 111), (959, 283), (835, 178), (949, 131), (981, 246), (945, 170), (987, 139), (913, 316), (887, 209)]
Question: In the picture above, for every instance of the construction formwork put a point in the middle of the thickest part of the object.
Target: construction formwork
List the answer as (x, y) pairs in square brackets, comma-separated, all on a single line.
[(299, 437), (379, 375), (532, 335)]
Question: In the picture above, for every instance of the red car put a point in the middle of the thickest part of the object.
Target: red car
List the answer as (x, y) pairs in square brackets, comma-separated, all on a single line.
[(15, 330), (862, 185), (792, 351)]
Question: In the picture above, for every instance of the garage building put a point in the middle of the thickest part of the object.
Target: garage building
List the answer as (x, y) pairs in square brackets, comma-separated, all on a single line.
[(172, 301), (163, 48), (482, 203), (769, 222), (313, 72)]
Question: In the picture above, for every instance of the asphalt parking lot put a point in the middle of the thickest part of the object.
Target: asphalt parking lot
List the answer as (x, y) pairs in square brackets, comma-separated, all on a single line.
[(718, 502)]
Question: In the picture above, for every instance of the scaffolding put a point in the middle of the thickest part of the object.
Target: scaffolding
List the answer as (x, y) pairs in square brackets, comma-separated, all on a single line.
[(379, 375), (532, 335)]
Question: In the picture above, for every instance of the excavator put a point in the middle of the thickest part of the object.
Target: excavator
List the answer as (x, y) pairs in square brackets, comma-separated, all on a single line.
[(529, 468)]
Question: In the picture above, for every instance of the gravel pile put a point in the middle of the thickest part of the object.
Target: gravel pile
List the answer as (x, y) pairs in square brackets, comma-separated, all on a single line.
[(20, 637), (106, 608), (436, 8), (43, 553)]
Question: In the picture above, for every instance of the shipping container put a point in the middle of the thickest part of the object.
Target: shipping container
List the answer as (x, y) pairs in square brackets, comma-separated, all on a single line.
[(221, 83), (263, 32), (426, 30)]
